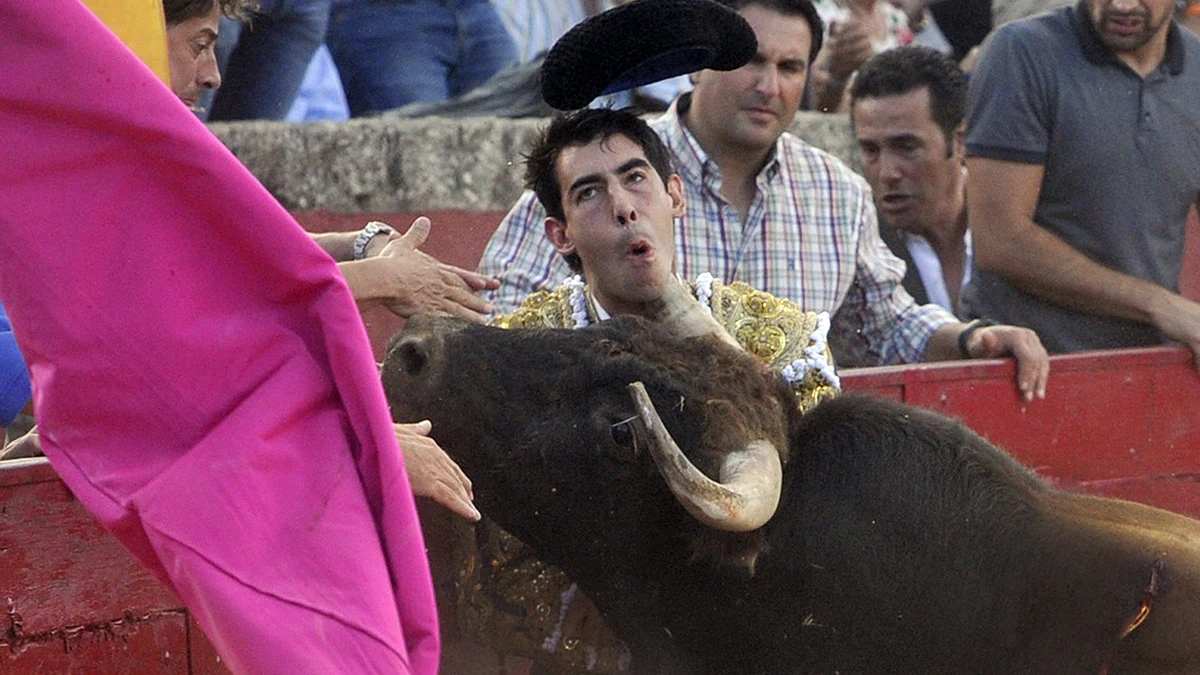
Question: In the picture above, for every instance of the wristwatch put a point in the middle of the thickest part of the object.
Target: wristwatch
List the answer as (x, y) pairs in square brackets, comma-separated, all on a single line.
[(368, 233), (965, 336)]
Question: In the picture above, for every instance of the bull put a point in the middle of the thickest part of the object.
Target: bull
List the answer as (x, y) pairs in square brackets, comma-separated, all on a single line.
[(720, 531)]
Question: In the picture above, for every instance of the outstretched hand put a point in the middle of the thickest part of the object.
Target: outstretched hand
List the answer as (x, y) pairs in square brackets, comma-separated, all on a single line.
[(422, 284), (1033, 362), (432, 473)]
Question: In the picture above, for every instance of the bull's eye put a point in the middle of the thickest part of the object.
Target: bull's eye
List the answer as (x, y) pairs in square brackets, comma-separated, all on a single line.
[(622, 433), (624, 440)]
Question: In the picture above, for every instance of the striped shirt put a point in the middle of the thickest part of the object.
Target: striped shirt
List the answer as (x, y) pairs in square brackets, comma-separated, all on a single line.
[(810, 236)]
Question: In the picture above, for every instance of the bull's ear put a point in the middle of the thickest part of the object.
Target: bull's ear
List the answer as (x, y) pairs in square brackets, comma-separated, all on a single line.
[(556, 232), (410, 354)]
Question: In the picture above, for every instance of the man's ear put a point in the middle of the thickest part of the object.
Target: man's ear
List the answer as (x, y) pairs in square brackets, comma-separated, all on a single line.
[(675, 191), (960, 139), (556, 232)]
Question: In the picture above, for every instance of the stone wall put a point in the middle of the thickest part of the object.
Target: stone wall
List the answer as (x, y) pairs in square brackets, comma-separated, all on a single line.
[(391, 165)]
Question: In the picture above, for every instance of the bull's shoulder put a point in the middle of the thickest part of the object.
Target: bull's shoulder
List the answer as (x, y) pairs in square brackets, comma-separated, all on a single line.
[(543, 309), (868, 435), (783, 336)]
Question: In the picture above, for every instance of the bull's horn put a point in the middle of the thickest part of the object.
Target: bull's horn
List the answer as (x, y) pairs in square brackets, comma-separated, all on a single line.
[(743, 498), (685, 317)]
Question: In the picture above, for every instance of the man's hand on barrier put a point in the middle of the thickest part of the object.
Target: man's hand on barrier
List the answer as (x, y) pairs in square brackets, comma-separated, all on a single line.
[(1033, 363)]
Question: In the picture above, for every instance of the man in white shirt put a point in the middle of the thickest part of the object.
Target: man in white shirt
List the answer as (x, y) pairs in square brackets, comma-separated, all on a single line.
[(907, 108)]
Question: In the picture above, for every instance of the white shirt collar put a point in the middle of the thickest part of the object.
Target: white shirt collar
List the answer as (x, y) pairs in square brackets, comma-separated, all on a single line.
[(930, 269)]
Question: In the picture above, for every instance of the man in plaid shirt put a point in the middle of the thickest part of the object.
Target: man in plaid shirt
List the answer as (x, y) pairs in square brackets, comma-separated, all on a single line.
[(766, 208)]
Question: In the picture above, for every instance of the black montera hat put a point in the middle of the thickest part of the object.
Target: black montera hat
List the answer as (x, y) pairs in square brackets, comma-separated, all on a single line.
[(642, 42)]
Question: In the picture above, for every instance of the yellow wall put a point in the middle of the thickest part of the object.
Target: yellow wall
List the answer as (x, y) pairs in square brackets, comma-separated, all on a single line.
[(141, 26)]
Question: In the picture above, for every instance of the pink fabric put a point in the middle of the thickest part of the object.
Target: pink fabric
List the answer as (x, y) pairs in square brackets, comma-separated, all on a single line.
[(202, 378)]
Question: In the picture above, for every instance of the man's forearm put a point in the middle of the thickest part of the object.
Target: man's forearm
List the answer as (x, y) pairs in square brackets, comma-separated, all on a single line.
[(1041, 264), (1001, 200), (368, 286), (339, 245), (943, 343)]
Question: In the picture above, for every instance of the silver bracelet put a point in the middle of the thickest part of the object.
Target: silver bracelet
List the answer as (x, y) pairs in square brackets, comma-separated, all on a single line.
[(368, 233)]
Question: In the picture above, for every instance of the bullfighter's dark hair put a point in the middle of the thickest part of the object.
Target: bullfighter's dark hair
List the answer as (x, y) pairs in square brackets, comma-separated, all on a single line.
[(178, 11), (904, 69), (802, 8), (580, 128)]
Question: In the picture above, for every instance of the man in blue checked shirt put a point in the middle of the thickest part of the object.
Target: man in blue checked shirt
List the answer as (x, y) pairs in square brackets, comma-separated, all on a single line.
[(766, 208)]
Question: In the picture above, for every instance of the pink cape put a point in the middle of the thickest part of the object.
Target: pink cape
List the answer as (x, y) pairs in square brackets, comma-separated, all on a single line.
[(202, 378)]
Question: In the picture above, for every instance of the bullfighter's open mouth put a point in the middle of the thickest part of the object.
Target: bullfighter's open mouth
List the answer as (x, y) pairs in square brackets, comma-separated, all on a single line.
[(640, 248)]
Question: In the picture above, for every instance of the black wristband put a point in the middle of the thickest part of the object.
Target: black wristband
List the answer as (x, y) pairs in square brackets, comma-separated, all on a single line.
[(965, 336)]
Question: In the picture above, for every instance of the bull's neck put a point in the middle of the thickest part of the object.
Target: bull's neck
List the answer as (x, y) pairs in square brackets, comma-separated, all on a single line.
[(634, 595)]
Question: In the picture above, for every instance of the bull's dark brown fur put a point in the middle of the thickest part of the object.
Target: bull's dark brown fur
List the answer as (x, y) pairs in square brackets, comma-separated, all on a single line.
[(903, 543)]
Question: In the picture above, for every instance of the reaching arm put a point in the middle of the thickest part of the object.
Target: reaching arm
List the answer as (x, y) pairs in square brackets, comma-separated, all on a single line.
[(408, 281), (848, 47), (339, 245), (432, 473), (1001, 198)]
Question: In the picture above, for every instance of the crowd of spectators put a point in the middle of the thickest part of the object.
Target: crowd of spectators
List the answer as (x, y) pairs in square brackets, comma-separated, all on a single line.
[(311, 60)]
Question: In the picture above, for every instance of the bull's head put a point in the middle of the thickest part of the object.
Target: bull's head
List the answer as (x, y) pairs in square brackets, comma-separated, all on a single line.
[(557, 428)]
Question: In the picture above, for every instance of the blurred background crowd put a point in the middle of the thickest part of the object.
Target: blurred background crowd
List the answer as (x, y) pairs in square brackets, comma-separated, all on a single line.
[(312, 60)]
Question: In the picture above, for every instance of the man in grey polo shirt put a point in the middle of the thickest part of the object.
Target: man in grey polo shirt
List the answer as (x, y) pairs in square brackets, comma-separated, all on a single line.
[(1083, 145)]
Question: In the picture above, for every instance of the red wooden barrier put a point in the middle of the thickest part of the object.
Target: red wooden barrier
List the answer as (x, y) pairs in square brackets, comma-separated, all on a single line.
[(1117, 423), (1122, 423), (75, 601)]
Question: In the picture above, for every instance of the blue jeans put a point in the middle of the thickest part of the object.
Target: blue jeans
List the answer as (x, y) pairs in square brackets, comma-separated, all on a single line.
[(263, 64), (394, 52), (14, 376)]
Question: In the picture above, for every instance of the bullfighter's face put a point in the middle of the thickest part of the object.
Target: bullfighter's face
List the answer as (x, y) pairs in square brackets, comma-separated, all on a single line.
[(620, 221), (191, 58)]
